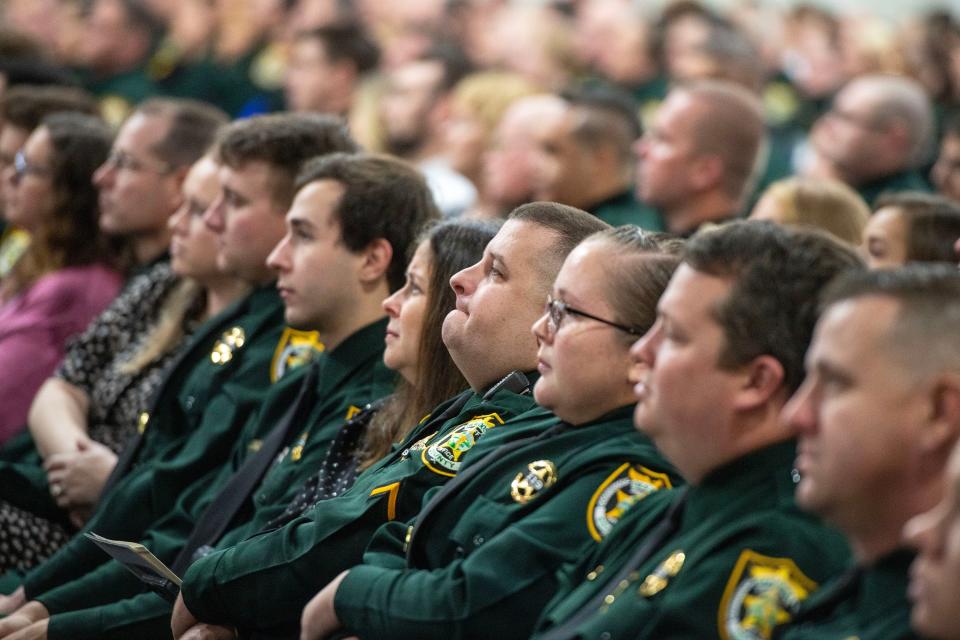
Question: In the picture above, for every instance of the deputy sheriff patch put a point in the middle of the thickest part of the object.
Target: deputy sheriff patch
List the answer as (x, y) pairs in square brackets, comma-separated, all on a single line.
[(761, 594), (527, 485), (231, 341), (296, 348), (444, 455), (622, 488)]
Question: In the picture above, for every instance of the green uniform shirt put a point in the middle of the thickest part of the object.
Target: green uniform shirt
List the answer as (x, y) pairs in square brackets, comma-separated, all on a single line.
[(737, 563), (866, 603), (484, 551), (209, 394), (624, 208), (264, 582), (904, 181), (350, 376)]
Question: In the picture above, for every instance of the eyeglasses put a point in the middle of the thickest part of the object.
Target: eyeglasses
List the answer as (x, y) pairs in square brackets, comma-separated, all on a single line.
[(23, 167), (121, 160), (557, 310)]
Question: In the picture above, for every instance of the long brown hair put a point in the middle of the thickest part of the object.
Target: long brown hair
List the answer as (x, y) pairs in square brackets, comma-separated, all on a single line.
[(454, 245), (71, 237)]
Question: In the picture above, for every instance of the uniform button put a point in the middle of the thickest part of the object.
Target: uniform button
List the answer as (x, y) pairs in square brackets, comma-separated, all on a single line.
[(478, 540), (460, 552), (189, 402), (605, 635)]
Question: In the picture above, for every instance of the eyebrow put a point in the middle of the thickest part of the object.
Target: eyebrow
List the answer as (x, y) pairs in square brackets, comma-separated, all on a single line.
[(302, 224), (497, 257)]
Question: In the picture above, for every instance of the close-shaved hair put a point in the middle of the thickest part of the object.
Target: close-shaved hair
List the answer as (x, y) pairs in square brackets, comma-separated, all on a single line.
[(728, 123), (570, 225), (925, 337), (900, 99)]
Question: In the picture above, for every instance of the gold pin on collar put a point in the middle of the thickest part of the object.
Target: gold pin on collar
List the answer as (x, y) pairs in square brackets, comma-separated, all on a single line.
[(229, 342)]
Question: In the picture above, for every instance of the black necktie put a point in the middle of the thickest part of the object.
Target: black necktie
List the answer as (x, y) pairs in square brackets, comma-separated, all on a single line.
[(654, 540), (217, 516)]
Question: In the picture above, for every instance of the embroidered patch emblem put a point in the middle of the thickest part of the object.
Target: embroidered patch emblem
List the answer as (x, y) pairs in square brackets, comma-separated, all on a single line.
[(762, 593), (295, 349), (443, 456), (622, 488), (540, 475), (230, 341), (660, 578)]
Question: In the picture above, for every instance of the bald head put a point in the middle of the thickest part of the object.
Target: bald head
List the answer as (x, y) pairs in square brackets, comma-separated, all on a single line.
[(897, 101), (727, 122)]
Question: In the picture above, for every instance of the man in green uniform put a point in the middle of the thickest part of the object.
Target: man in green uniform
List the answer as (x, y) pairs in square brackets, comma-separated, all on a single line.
[(731, 556), (876, 137), (262, 583), (229, 365), (140, 186), (696, 163), (121, 35), (583, 158), (877, 418), (483, 552), (353, 219)]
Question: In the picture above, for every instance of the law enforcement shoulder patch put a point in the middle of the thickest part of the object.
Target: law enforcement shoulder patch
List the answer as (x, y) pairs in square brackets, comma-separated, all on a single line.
[(444, 455), (627, 485), (295, 348), (762, 593)]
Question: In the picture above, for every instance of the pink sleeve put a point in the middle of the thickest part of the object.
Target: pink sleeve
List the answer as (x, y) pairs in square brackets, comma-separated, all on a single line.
[(34, 329)]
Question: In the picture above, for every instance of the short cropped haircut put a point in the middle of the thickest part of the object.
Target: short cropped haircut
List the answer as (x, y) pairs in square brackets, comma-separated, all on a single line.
[(284, 142), (25, 106), (932, 221), (192, 128), (605, 116), (777, 274), (638, 267), (456, 65), (926, 332), (729, 125), (346, 41), (383, 197), (570, 225)]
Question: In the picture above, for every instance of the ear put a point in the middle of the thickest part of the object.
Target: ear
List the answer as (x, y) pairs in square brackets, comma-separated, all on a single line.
[(943, 424), (345, 73), (706, 172), (761, 381), (899, 135), (376, 259), (440, 111)]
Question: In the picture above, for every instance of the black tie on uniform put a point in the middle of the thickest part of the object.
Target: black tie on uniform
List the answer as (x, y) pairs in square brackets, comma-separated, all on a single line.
[(654, 540), (217, 516)]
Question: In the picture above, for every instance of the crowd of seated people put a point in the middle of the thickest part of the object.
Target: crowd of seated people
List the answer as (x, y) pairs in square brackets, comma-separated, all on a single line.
[(564, 320)]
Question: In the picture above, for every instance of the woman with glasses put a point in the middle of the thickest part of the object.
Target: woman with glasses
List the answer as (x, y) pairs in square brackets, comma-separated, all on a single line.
[(550, 486), (65, 277), (78, 457)]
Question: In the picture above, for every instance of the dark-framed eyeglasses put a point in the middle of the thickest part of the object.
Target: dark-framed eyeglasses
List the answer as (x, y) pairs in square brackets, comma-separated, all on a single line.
[(23, 167), (557, 310)]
